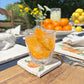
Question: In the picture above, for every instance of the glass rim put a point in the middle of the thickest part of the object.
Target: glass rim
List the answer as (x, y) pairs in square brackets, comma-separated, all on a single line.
[(31, 31), (55, 8)]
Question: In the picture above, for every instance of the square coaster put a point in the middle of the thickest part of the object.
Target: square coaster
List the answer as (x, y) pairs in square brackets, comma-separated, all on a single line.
[(38, 70)]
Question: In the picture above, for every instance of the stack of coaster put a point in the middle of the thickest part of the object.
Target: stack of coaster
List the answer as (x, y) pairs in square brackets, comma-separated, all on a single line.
[(38, 70)]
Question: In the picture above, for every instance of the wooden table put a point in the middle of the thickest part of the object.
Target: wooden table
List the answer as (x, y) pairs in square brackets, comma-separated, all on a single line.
[(64, 74)]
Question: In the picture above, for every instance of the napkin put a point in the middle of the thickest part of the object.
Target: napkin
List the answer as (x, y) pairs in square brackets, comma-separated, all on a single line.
[(14, 31), (12, 53), (6, 41), (75, 39)]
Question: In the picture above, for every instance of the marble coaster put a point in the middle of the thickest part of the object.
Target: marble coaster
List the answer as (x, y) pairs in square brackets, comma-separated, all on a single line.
[(38, 70)]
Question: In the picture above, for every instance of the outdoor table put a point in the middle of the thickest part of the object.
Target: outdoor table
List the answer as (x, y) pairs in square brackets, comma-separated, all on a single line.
[(64, 74)]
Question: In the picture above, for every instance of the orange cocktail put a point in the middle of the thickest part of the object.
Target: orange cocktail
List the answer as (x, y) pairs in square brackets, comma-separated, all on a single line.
[(41, 45)]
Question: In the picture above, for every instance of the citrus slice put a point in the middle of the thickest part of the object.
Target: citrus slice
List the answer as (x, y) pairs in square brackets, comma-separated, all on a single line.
[(45, 39), (37, 50)]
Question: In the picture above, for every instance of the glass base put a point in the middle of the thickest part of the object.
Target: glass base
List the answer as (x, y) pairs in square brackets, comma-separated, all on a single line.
[(43, 61)]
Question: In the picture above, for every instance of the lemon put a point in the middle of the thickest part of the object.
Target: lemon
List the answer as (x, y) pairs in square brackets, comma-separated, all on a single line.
[(73, 13), (82, 14), (81, 18), (73, 18), (76, 15), (70, 18), (73, 27), (76, 21), (82, 22), (79, 10), (79, 29)]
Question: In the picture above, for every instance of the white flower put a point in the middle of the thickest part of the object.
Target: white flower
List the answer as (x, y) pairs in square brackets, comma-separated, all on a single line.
[(40, 7), (47, 9), (45, 14)]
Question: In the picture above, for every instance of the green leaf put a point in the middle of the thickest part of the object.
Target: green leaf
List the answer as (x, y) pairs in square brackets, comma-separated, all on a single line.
[(27, 61), (80, 49), (41, 68), (82, 54), (69, 47), (62, 45)]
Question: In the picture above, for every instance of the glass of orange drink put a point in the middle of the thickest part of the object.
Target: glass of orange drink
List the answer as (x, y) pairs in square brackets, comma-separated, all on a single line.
[(40, 44)]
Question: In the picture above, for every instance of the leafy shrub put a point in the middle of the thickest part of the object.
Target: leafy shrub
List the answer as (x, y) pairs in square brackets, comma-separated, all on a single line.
[(67, 6)]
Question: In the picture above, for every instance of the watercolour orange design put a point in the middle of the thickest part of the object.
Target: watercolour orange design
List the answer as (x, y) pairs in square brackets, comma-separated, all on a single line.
[(31, 65), (71, 49)]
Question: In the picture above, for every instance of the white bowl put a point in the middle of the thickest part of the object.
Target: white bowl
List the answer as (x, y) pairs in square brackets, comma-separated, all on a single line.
[(78, 24), (62, 33)]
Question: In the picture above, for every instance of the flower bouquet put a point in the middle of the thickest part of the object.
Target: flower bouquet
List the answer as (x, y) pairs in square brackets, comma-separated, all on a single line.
[(38, 13)]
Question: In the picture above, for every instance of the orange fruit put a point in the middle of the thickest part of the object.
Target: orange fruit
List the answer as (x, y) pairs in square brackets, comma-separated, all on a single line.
[(58, 28), (67, 28), (47, 21), (70, 28), (55, 23), (49, 26), (64, 21), (44, 26)]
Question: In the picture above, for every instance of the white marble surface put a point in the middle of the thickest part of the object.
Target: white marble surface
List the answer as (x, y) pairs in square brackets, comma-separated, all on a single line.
[(42, 69)]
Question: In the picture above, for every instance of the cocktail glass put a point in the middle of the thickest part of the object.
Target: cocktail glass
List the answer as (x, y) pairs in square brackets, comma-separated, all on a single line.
[(41, 45)]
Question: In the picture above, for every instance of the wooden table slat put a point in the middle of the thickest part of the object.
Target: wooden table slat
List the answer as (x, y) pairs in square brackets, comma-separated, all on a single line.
[(64, 74)]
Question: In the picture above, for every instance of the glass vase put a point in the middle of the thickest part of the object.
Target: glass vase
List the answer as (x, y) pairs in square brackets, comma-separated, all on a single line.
[(39, 24)]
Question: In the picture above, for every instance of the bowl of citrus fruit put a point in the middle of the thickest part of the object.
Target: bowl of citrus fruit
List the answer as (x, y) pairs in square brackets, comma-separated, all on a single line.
[(62, 27), (78, 17)]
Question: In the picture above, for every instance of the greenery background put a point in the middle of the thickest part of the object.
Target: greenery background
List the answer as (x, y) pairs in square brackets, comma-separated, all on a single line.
[(67, 7)]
